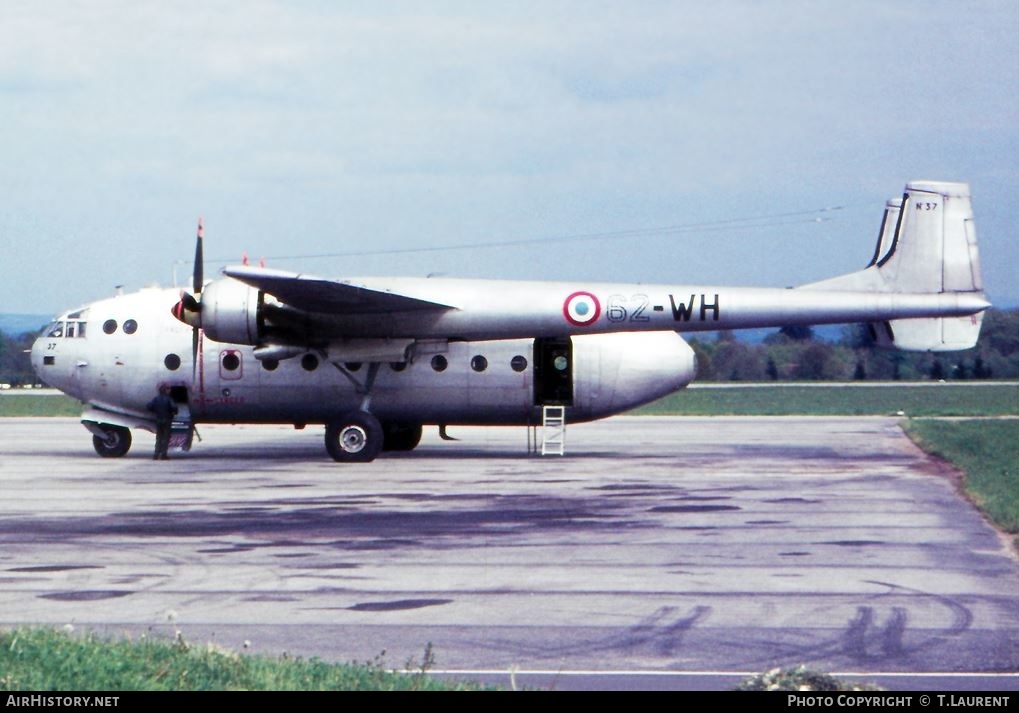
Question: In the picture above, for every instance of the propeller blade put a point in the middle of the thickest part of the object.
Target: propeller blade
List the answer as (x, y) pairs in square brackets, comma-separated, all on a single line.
[(199, 274), (194, 354), (189, 308)]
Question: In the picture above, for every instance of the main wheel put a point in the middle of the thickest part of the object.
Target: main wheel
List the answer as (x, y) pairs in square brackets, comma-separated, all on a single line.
[(355, 438), (114, 444), (400, 436)]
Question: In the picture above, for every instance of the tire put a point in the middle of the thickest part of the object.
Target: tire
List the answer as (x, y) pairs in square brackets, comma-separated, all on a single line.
[(115, 444), (400, 436), (355, 438)]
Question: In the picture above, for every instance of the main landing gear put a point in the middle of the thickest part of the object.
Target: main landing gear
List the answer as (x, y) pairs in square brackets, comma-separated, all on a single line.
[(355, 438), (358, 437), (400, 436)]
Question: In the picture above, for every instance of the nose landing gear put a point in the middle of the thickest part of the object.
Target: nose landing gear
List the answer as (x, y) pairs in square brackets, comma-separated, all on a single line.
[(114, 442)]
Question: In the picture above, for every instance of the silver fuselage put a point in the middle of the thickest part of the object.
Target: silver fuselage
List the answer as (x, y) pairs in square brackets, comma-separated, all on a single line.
[(117, 372)]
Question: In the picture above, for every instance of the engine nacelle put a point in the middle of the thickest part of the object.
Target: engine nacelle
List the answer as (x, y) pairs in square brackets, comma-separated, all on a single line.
[(231, 312)]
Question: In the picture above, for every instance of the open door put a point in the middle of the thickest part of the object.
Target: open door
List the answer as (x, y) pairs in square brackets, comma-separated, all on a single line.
[(183, 431), (553, 371)]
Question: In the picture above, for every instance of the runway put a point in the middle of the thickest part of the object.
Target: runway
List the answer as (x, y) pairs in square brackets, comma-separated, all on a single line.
[(654, 548)]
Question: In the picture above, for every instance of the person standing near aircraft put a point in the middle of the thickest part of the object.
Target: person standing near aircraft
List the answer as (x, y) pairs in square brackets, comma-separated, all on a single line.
[(165, 409)]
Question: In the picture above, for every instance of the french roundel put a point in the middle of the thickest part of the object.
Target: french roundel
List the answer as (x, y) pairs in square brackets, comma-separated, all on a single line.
[(581, 309)]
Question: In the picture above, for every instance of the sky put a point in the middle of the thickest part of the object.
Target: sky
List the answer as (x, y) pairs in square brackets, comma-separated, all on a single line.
[(366, 130)]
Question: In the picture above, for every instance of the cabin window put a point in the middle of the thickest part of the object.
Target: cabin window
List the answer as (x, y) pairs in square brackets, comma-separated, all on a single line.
[(479, 363), (270, 364), (352, 365), (230, 365), (309, 362), (130, 326), (110, 326), (397, 365), (518, 363), (439, 362), (172, 362)]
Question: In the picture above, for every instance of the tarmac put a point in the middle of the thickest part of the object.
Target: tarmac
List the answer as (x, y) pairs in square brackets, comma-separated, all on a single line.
[(657, 553)]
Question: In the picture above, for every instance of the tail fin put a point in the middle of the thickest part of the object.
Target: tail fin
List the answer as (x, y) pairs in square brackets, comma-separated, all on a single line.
[(927, 245)]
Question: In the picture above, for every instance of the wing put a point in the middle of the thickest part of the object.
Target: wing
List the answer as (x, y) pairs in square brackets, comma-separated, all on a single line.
[(315, 294)]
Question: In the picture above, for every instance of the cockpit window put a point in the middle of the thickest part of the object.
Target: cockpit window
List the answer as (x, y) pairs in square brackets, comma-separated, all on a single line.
[(68, 329)]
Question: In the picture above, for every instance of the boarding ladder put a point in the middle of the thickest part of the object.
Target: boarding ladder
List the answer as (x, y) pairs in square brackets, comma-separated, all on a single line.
[(553, 430)]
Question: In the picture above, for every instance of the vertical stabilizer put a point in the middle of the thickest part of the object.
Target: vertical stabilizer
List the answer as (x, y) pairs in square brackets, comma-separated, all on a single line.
[(934, 248)]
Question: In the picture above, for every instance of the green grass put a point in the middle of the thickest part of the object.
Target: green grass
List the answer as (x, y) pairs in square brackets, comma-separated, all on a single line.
[(38, 405), (955, 399), (951, 399), (988, 452), (47, 660)]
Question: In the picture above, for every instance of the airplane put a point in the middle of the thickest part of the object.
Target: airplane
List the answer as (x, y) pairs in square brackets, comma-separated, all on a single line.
[(375, 359)]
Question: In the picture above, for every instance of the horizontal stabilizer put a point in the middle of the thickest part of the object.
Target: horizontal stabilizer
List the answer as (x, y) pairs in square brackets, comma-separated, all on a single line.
[(936, 334)]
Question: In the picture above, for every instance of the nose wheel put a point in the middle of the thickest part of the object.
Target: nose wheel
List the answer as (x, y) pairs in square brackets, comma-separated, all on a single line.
[(355, 438), (115, 441)]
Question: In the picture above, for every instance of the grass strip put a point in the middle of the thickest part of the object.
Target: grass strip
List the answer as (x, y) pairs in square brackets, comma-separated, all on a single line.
[(21, 405), (924, 400), (987, 452), (951, 399), (36, 659)]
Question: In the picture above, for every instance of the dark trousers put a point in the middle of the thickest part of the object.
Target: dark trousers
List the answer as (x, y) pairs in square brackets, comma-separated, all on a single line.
[(162, 440)]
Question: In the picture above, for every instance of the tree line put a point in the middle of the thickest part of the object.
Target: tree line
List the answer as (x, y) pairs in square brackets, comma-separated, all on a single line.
[(15, 365), (789, 354), (796, 354)]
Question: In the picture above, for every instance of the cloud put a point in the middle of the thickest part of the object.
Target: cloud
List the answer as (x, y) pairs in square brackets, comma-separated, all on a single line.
[(448, 122)]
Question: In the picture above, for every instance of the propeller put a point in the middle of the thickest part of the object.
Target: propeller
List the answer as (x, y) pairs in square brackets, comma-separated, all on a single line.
[(189, 309)]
